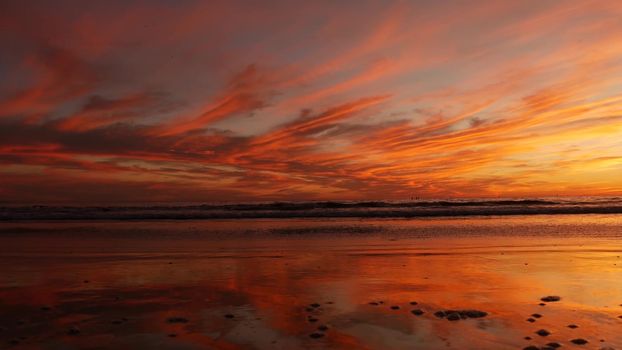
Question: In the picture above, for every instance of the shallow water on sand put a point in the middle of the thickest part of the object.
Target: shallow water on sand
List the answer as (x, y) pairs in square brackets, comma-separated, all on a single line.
[(118, 284)]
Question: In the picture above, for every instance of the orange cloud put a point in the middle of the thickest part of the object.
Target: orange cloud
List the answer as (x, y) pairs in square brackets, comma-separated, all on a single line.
[(218, 102)]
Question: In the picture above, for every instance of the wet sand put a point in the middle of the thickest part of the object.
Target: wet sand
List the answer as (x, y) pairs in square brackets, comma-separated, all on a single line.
[(312, 283)]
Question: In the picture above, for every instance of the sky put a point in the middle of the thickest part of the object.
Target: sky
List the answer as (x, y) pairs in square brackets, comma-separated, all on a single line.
[(210, 101)]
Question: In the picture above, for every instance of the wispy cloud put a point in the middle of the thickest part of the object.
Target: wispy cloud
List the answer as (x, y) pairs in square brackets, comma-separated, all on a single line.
[(236, 101)]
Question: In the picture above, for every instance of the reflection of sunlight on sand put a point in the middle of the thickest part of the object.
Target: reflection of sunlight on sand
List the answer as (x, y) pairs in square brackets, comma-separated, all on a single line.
[(267, 282)]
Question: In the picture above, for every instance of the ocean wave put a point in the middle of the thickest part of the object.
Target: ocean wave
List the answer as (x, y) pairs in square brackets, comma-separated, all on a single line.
[(319, 209)]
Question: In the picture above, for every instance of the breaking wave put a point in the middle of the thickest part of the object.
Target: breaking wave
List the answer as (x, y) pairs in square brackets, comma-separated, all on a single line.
[(320, 209)]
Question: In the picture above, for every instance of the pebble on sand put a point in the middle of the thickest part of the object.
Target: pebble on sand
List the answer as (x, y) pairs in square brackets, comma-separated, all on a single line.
[(316, 335), (177, 320), (417, 312), (532, 320), (536, 315), (527, 338), (553, 345), (543, 333), (413, 303), (579, 341), (395, 307), (531, 347), (551, 298), (573, 326), (373, 303), (454, 316), (460, 314), (73, 330)]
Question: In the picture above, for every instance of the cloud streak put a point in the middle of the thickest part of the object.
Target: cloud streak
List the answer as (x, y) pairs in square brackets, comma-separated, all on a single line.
[(393, 101)]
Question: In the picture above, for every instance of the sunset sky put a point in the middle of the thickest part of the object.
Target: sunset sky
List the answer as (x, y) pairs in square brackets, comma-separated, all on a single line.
[(140, 101)]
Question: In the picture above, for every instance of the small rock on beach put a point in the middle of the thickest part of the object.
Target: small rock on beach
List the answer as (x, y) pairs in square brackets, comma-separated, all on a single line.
[(177, 320), (454, 315), (551, 298), (543, 333)]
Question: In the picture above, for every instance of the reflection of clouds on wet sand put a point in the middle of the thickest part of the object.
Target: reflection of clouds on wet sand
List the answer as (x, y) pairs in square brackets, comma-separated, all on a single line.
[(257, 290)]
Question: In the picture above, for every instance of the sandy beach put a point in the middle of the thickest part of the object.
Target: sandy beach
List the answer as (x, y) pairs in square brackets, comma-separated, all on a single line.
[(284, 175), (313, 283)]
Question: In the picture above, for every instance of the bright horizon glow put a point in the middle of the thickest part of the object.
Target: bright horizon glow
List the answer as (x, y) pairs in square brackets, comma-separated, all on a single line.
[(166, 101)]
